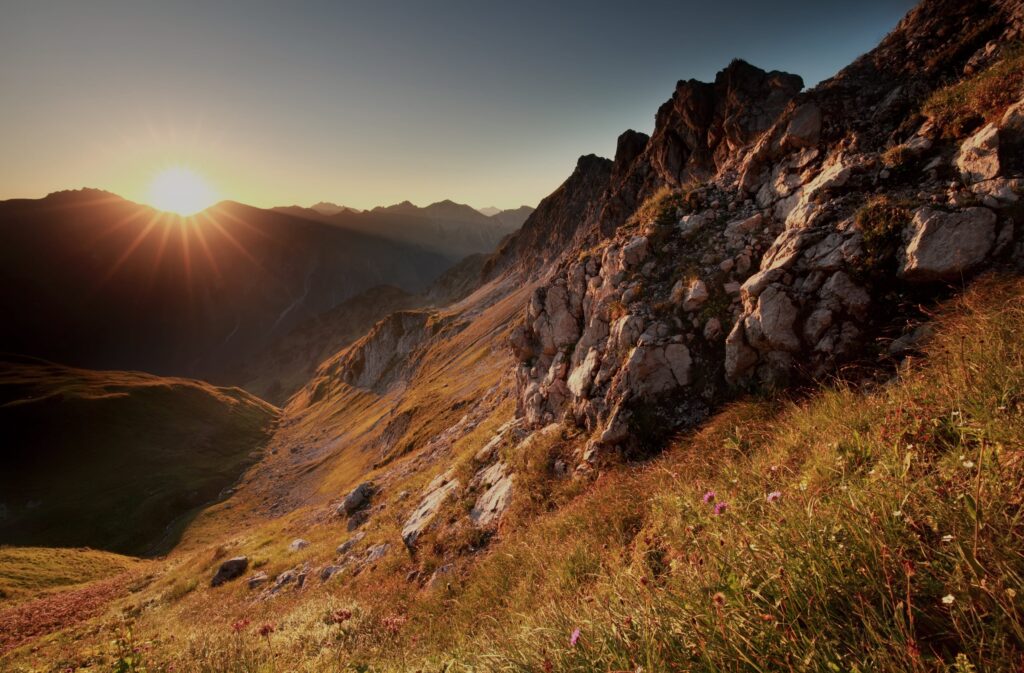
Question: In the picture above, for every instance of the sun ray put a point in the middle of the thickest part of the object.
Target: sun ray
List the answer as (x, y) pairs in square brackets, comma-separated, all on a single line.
[(186, 259), (229, 236), (201, 237), (159, 252)]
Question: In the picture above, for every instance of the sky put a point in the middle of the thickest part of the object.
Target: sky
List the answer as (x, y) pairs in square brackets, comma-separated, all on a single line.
[(371, 103)]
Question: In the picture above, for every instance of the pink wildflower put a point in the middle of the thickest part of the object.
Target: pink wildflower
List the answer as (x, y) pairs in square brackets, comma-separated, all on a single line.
[(575, 637), (709, 497), (774, 496), (720, 508)]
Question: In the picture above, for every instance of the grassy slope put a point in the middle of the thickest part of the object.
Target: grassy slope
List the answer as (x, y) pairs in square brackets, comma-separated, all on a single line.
[(28, 572), (116, 460), (895, 544)]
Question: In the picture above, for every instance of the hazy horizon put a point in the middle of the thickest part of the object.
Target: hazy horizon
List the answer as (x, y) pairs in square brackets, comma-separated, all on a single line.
[(372, 104)]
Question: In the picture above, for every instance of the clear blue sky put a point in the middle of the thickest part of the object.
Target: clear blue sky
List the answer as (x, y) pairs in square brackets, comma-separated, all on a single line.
[(368, 103)]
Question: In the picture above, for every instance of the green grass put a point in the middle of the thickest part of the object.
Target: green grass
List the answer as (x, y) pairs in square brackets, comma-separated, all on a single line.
[(27, 572), (116, 460), (983, 97)]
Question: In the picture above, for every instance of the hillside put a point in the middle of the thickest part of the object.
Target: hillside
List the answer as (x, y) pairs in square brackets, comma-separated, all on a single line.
[(115, 285), (830, 528), (745, 397), (116, 460)]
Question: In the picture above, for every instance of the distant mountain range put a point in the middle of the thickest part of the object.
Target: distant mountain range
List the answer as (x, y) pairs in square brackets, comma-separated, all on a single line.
[(328, 208), (90, 279), (446, 227)]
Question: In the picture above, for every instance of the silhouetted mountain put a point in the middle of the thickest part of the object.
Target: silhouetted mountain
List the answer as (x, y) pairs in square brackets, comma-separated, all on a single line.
[(451, 229), (489, 211), (91, 279), (328, 208)]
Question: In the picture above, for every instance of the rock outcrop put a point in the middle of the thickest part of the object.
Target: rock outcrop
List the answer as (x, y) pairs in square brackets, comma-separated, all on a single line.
[(357, 499), (435, 494), (945, 246), (230, 569), (777, 267)]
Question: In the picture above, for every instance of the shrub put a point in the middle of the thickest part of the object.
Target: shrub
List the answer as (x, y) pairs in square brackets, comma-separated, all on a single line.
[(881, 222)]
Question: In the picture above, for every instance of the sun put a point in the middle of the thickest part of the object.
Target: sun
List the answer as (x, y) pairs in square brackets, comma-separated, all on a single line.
[(180, 190)]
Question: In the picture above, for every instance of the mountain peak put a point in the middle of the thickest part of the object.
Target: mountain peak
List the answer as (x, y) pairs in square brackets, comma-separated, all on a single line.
[(331, 208)]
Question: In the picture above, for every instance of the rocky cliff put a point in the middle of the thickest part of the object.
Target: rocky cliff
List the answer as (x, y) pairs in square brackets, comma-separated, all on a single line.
[(762, 235)]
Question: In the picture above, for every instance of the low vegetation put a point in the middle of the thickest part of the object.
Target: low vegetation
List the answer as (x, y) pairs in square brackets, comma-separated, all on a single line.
[(881, 222), (666, 205), (31, 571), (856, 530), (983, 97)]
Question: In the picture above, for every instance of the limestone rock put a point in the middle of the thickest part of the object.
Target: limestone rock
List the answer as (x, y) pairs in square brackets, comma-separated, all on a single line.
[(696, 295), (358, 498), (347, 546), (842, 288), (634, 252), (713, 329), (945, 245), (376, 553), (978, 158), (436, 493), (582, 376), (230, 569), (257, 580), (739, 356), (736, 230), (492, 503), (804, 127), (770, 326), (329, 571), (651, 370)]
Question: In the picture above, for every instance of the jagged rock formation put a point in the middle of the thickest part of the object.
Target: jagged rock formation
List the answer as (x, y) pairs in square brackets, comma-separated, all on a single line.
[(377, 360), (553, 226), (782, 264), (704, 125)]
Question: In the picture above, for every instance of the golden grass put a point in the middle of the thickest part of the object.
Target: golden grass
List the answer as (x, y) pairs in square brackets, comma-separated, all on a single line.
[(27, 572), (984, 96), (893, 545)]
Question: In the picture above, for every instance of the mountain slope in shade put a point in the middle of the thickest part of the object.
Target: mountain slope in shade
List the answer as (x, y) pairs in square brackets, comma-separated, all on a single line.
[(447, 228), (93, 280), (513, 218), (292, 360), (116, 460), (329, 208)]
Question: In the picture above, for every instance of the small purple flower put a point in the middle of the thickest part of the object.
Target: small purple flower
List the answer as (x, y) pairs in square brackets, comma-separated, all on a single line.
[(774, 496), (709, 497), (575, 637), (720, 508)]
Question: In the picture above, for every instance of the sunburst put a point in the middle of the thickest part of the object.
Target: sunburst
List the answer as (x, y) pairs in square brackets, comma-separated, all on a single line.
[(180, 190)]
